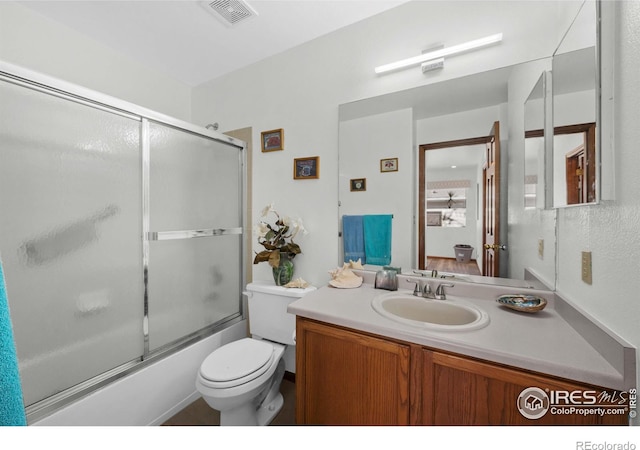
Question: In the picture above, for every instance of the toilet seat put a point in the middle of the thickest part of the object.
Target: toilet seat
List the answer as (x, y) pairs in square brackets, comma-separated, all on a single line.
[(237, 363)]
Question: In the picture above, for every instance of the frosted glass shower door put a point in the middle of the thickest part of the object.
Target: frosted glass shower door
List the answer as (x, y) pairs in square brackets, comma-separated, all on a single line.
[(70, 237), (195, 201)]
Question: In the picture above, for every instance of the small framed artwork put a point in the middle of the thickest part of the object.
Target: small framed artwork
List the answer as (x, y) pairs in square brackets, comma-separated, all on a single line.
[(272, 140), (389, 165), (358, 184), (306, 168)]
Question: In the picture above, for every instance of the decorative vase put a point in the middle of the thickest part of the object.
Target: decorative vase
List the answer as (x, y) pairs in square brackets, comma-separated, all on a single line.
[(284, 272)]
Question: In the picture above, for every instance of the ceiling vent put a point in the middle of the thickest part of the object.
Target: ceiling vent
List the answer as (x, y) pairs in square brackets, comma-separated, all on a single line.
[(232, 12)]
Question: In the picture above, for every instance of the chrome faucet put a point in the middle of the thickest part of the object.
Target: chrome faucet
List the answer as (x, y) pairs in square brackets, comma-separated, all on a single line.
[(422, 291), (427, 292), (417, 291), (440, 294)]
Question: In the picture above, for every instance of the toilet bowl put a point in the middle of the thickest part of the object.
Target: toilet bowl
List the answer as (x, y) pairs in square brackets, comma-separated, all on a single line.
[(242, 379)]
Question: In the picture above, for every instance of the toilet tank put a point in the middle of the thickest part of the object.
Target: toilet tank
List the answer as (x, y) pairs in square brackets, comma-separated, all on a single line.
[(268, 316)]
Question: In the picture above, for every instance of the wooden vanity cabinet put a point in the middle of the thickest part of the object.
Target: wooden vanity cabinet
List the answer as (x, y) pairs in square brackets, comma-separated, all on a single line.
[(463, 391), (347, 377)]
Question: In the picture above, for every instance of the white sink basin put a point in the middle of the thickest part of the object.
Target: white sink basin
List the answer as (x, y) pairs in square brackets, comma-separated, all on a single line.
[(437, 315)]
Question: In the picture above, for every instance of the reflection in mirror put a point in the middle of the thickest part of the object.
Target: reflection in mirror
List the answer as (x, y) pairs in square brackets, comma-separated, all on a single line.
[(394, 123), (534, 145), (575, 105), (447, 112), (574, 150), (447, 206), (452, 180)]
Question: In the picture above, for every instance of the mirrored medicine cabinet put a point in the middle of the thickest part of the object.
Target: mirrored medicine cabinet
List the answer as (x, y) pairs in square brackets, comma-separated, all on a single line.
[(575, 153)]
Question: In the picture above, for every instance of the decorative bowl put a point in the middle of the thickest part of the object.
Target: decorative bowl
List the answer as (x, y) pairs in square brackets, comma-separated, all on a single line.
[(523, 302)]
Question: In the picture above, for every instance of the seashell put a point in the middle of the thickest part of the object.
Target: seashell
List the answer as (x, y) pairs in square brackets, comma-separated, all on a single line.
[(523, 302), (356, 264), (348, 283), (297, 283), (338, 270), (344, 278)]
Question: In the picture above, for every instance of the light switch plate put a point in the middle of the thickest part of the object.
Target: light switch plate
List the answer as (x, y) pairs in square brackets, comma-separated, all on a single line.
[(541, 248), (586, 267)]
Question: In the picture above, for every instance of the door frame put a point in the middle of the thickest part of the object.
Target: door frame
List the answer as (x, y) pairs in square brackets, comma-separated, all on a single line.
[(491, 238), (422, 198), (589, 168)]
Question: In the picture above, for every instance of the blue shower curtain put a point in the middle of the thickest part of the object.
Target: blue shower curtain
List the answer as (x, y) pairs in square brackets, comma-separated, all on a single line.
[(11, 403)]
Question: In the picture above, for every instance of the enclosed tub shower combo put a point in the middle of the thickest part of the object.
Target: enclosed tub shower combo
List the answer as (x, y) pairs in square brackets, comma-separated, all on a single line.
[(121, 234)]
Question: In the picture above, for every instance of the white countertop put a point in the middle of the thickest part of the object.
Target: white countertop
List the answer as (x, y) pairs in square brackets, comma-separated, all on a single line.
[(542, 342)]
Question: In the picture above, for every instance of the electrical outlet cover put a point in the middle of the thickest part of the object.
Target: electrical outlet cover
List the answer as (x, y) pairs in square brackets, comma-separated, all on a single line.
[(586, 267)]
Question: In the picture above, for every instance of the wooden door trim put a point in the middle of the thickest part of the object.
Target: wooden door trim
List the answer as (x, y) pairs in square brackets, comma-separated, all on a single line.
[(575, 195), (422, 199), (589, 129), (493, 156)]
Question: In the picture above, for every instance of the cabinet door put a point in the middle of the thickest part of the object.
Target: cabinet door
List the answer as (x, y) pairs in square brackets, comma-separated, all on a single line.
[(347, 378), (462, 391)]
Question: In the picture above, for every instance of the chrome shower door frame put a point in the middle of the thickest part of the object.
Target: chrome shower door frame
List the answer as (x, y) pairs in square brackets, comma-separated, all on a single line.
[(52, 86)]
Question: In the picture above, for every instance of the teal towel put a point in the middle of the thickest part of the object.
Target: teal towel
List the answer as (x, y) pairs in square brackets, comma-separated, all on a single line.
[(377, 239), (11, 403), (353, 239)]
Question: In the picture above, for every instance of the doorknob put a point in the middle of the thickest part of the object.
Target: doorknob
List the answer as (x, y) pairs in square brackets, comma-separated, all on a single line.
[(495, 247)]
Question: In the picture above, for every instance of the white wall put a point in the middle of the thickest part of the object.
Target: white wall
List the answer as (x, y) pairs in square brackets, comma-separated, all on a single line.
[(32, 41), (610, 230), (363, 143), (300, 90), (466, 124)]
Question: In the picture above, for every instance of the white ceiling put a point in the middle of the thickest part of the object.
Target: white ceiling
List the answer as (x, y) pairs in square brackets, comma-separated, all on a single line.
[(186, 41)]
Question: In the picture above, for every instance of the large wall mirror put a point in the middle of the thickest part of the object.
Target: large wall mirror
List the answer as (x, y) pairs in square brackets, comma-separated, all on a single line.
[(396, 125), (576, 149)]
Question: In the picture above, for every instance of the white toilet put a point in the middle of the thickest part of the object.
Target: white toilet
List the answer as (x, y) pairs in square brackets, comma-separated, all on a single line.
[(242, 379)]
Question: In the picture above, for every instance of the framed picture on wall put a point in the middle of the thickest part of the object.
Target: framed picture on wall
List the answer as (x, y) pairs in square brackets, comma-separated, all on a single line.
[(272, 140), (358, 184), (389, 165), (306, 168)]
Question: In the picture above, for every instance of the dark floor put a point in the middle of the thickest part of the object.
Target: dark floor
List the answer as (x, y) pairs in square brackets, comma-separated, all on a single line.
[(199, 413)]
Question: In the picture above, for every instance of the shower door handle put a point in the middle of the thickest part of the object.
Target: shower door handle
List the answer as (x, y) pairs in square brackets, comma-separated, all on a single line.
[(188, 234)]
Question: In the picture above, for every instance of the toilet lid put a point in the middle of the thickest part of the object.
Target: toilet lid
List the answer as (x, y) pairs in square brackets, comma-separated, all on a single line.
[(237, 360)]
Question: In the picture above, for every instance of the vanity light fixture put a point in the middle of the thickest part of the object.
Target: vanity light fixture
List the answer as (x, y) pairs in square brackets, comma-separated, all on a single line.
[(430, 56)]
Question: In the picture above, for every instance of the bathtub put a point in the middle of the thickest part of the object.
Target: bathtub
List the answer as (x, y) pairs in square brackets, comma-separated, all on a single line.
[(148, 396)]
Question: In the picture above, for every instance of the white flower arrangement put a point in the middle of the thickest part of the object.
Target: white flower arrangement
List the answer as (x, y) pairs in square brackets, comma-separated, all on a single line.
[(278, 238)]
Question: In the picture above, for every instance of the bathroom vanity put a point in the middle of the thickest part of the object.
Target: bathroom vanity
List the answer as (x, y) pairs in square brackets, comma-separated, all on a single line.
[(356, 367)]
